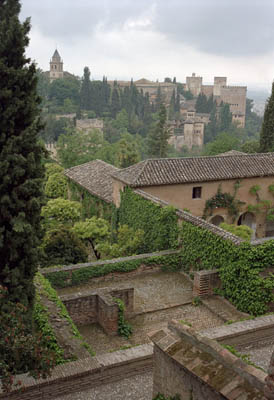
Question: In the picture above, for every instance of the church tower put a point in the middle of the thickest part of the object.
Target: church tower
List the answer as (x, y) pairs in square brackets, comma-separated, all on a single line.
[(56, 67)]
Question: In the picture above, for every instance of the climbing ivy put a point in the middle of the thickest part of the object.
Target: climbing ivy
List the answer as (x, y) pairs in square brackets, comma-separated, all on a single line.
[(160, 224), (124, 328), (61, 279), (41, 317), (225, 200), (91, 205), (240, 266)]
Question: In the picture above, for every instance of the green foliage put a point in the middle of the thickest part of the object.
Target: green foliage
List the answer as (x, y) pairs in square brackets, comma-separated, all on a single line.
[(91, 205), (62, 89), (53, 168), (84, 274), (244, 357), (239, 266), (21, 351), (243, 231), (21, 171), (197, 301), (62, 246), (47, 290), (60, 212), (225, 200), (124, 328), (94, 230), (158, 223), (224, 142), (254, 189), (267, 131), (56, 186), (128, 240), (159, 135)]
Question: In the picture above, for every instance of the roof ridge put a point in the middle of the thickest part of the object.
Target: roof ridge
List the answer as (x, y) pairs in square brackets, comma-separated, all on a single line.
[(141, 171)]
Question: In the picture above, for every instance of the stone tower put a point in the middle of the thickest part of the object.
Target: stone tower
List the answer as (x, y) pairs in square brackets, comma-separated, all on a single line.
[(56, 67)]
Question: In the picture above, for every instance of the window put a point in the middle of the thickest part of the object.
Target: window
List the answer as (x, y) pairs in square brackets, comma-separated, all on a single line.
[(197, 192)]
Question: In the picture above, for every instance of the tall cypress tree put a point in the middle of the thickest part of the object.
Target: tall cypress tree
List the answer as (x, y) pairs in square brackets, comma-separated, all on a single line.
[(85, 92), (267, 130), (21, 172), (158, 137)]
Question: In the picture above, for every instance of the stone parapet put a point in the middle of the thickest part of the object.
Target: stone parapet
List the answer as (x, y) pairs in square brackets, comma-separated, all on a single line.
[(194, 366), (84, 374), (243, 332)]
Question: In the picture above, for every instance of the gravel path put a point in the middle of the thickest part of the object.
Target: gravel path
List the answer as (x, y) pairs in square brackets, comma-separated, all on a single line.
[(138, 387)]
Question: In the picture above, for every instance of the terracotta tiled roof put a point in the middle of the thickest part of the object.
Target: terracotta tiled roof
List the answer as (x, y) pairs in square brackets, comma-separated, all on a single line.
[(232, 153), (95, 177), (168, 171)]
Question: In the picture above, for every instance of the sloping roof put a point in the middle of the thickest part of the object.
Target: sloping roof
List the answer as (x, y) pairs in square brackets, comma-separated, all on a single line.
[(56, 55), (95, 177), (168, 171), (143, 81)]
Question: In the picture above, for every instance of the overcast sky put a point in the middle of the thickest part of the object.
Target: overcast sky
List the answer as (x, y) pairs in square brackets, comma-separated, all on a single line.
[(125, 39)]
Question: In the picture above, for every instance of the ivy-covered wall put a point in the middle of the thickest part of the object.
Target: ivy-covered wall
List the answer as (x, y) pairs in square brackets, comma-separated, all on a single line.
[(72, 276), (240, 266), (91, 205), (160, 224)]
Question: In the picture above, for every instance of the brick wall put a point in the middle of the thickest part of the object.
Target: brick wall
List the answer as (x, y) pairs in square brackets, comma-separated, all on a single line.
[(100, 306), (198, 368), (85, 374), (205, 281)]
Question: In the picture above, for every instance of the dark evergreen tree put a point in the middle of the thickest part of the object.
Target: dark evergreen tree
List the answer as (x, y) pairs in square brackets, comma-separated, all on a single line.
[(172, 106), (21, 172), (267, 130), (174, 79), (201, 103), (225, 118), (159, 99), (177, 103), (115, 102), (211, 129), (158, 137), (85, 92)]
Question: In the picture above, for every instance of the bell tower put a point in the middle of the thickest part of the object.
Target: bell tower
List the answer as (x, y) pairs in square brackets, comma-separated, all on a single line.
[(56, 67)]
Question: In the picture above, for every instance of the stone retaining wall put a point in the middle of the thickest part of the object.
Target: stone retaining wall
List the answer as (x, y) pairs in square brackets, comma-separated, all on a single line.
[(243, 332), (205, 282), (85, 374), (99, 306), (198, 368)]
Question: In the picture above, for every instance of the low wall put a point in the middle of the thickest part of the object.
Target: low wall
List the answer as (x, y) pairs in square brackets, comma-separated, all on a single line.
[(85, 374), (243, 332), (199, 368), (77, 274), (99, 306)]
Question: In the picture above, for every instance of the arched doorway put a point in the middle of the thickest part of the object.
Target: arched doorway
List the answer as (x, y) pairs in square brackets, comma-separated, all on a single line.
[(217, 220), (248, 219)]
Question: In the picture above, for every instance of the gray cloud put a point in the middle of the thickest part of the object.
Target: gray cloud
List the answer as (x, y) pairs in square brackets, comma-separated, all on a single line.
[(220, 27)]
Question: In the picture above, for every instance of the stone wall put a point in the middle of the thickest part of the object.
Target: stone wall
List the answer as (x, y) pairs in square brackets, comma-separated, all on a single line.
[(84, 374), (99, 307), (199, 368), (243, 333)]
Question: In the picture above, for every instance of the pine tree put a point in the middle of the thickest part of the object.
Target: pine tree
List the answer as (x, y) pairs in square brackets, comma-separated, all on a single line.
[(267, 130), (21, 172), (85, 92)]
